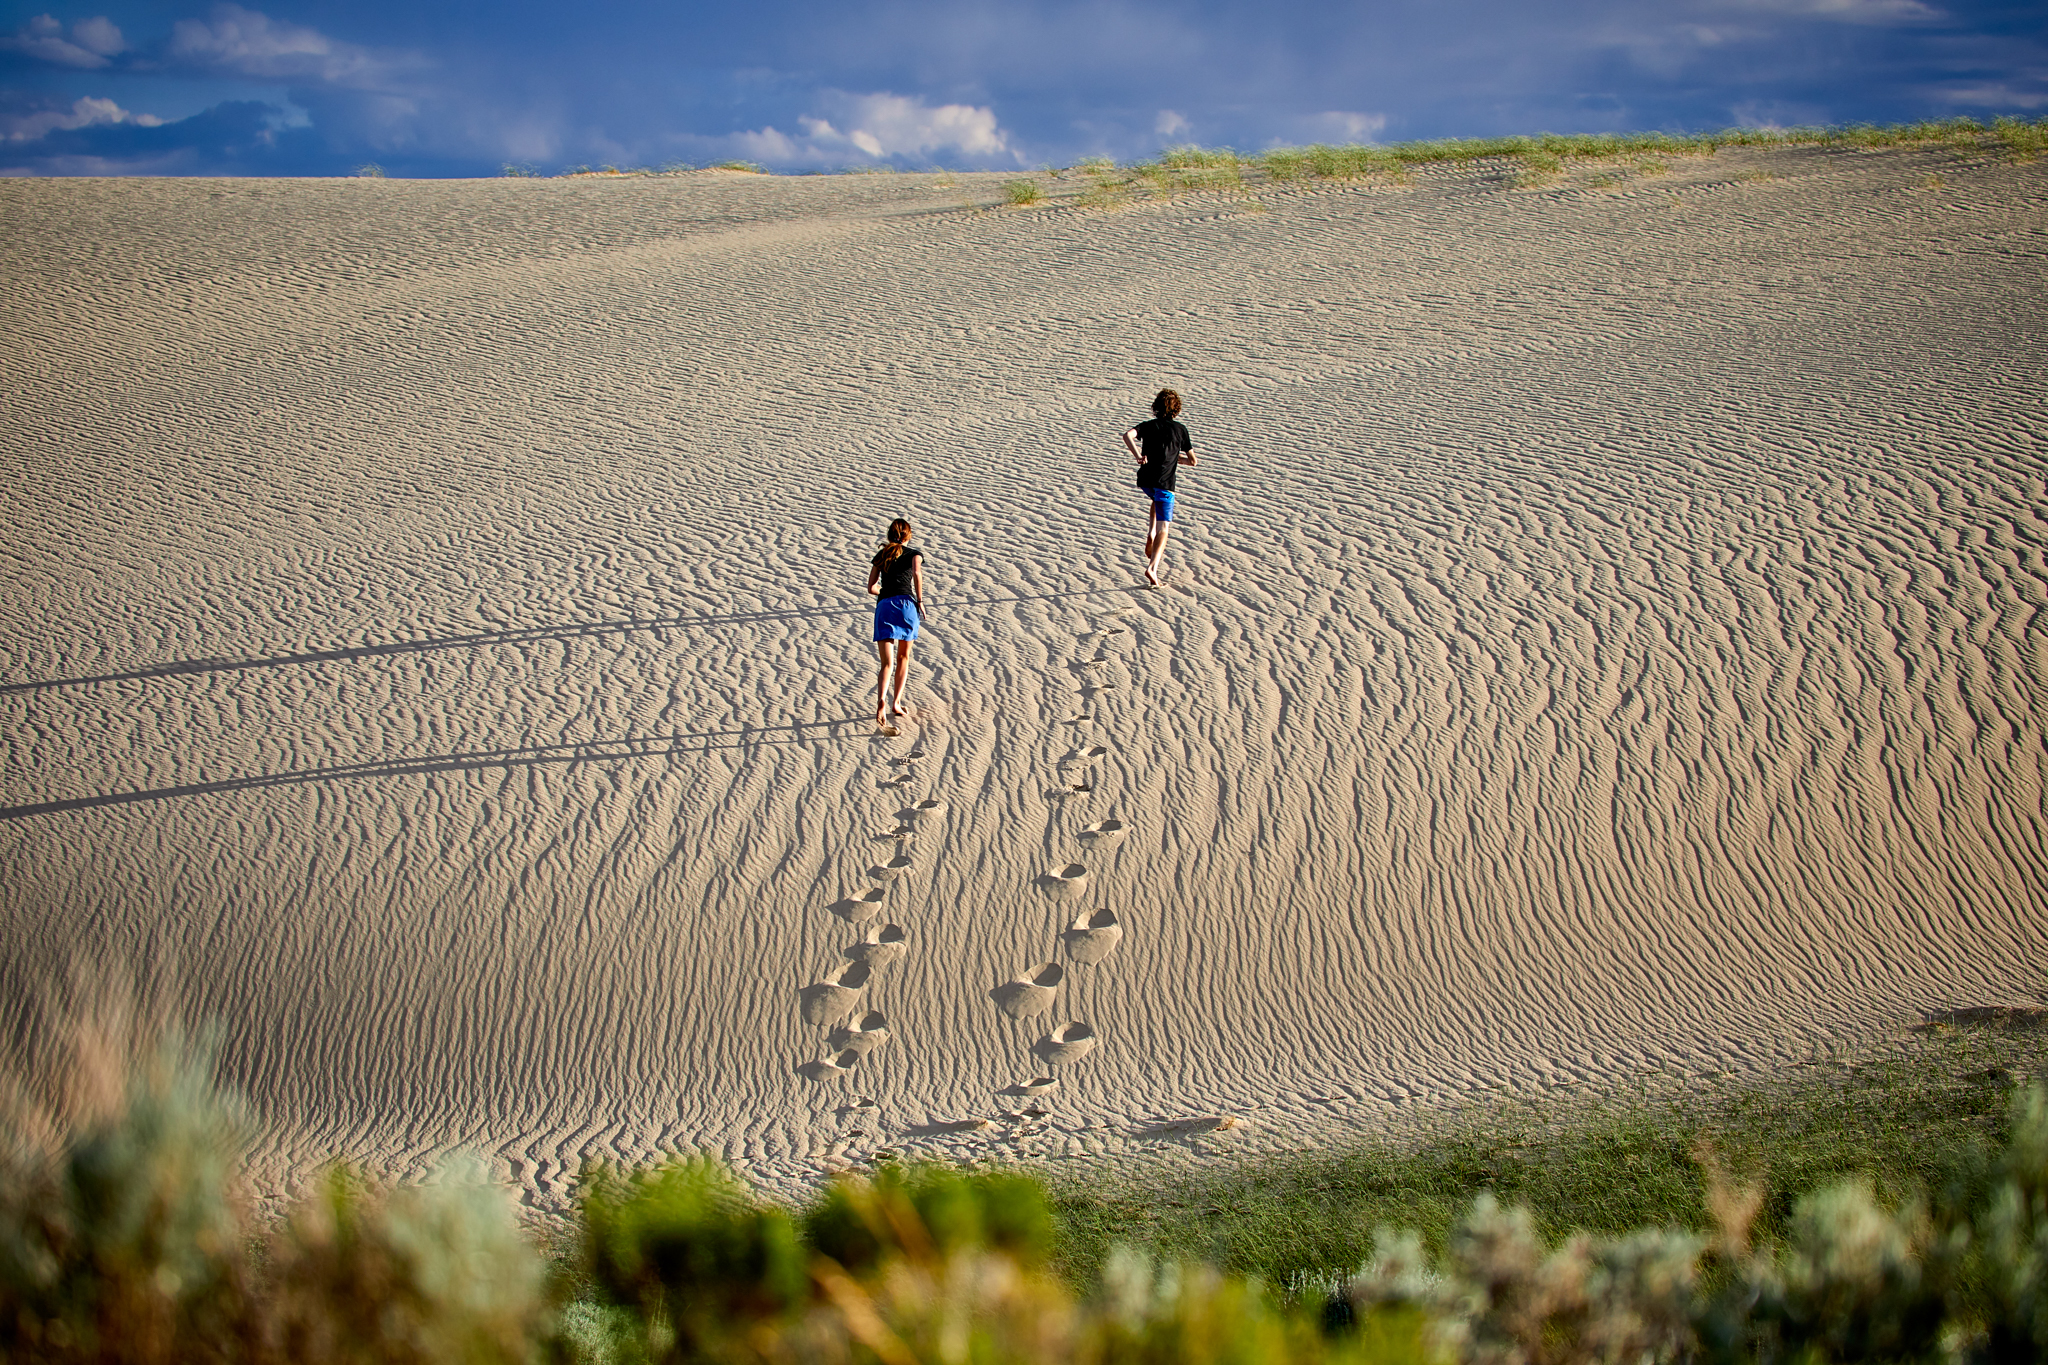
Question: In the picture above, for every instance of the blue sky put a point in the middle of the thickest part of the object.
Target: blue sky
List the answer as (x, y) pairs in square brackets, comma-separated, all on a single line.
[(319, 87)]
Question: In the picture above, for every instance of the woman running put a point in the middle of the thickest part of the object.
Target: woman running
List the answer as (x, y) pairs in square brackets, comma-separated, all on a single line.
[(1160, 446), (897, 577)]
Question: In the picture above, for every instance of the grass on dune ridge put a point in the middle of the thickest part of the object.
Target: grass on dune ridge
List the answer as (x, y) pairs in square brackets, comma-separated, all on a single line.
[(1540, 155)]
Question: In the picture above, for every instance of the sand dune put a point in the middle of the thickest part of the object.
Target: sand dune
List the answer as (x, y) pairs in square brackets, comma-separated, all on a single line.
[(1604, 635)]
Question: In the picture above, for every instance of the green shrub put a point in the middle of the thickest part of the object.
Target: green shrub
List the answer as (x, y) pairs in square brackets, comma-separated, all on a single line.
[(1021, 193), (926, 1212), (418, 1273), (122, 1239), (685, 1246)]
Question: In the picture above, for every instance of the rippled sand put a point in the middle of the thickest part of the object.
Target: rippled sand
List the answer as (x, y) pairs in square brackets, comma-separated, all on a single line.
[(1604, 635)]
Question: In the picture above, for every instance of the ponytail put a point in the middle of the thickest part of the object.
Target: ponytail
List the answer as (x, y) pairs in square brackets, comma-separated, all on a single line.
[(899, 541)]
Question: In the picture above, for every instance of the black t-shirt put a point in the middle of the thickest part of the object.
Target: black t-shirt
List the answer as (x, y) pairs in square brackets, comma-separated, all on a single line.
[(896, 581), (1161, 442)]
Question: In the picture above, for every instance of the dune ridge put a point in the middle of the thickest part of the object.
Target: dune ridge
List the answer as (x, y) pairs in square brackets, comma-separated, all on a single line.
[(1603, 636)]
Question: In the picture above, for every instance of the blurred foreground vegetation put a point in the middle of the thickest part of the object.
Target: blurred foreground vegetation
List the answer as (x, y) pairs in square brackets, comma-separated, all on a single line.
[(1892, 1212)]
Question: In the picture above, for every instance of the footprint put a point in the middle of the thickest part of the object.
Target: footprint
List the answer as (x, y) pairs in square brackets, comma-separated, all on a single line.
[(860, 1036), (1079, 722), (1032, 993), (1103, 833), (896, 833), (1065, 882), (1037, 1085), (1071, 789), (1093, 936), (880, 947), (886, 732), (1065, 1044), (859, 909), (926, 811), (825, 1068), (1087, 753), (898, 866), (939, 1127), (1099, 661), (1173, 1128), (836, 996)]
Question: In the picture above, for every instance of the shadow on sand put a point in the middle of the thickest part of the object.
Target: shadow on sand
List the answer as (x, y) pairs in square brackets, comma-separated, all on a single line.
[(491, 638), (587, 751)]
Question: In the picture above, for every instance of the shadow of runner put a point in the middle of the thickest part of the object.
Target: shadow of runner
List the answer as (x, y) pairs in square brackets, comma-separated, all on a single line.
[(490, 638), (586, 751)]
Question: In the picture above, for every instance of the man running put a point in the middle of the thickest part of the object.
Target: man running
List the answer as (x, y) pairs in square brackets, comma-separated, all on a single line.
[(1160, 446)]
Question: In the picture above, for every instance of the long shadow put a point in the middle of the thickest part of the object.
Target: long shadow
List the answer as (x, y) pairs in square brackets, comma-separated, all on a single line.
[(489, 638), (588, 751)]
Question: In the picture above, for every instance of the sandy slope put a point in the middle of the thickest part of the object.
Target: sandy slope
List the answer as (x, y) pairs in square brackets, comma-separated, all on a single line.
[(1605, 635)]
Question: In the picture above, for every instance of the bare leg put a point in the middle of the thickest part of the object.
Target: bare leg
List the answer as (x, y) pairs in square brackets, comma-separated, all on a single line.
[(902, 673), (881, 679), (1155, 547)]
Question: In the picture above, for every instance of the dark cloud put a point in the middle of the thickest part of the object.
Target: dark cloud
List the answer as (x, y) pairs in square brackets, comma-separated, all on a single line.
[(457, 88)]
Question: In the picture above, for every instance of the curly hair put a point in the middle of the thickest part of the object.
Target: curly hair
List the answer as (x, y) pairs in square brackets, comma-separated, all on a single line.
[(1167, 404)]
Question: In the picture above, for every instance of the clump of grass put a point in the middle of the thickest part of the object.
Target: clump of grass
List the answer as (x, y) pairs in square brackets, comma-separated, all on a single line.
[(747, 166), (369, 170), (1194, 168), (1021, 193), (1321, 162), (2023, 140), (1539, 168), (519, 170)]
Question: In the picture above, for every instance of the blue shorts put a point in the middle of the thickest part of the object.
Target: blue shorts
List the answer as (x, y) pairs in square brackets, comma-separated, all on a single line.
[(1162, 503), (896, 618)]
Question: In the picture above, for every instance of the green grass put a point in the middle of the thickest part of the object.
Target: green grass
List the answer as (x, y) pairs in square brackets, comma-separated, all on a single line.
[(1920, 1119), (1021, 193), (1539, 160)]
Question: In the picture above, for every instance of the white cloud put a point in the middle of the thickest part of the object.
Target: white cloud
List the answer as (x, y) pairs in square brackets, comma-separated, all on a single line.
[(1776, 114), (1345, 125), (91, 43), (1170, 124), (1999, 94), (246, 43), (85, 113), (1854, 11), (878, 127)]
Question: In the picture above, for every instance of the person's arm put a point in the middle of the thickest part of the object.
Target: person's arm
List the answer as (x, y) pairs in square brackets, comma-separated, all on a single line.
[(1188, 456), (1131, 444), (874, 577), (917, 582)]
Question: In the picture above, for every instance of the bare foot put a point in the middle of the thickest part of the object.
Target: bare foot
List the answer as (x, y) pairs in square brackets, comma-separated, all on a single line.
[(1151, 574)]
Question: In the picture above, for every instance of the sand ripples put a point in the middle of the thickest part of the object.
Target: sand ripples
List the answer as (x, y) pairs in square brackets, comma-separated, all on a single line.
[(1604, 634)]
